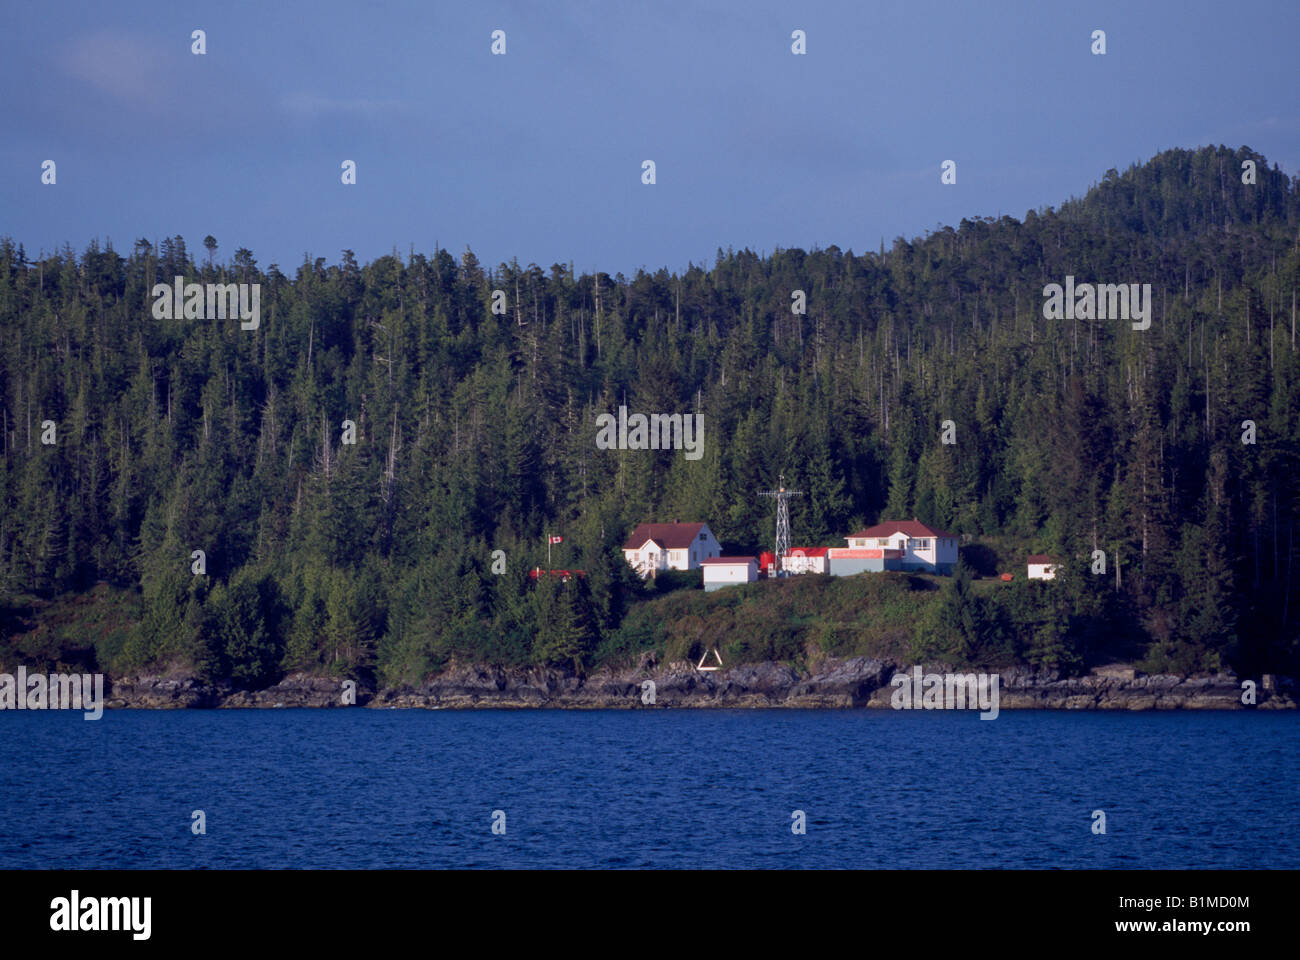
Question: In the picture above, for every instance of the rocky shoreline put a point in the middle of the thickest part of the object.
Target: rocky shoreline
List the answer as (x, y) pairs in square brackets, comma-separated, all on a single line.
[(832, 683)]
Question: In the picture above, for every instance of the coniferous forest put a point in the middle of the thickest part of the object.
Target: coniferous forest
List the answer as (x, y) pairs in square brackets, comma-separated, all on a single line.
[(475, 432)]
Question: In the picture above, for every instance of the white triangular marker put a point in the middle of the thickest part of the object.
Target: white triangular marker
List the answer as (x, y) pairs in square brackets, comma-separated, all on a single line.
[(701, 666)]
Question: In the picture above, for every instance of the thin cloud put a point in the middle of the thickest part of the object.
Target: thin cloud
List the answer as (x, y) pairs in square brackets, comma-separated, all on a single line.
[(127, 67)]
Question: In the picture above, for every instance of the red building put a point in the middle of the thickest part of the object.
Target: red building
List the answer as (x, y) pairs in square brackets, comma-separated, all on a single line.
[(564, 575)]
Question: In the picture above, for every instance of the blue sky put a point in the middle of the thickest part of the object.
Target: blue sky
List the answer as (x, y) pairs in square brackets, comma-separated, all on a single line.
[(537, 154)]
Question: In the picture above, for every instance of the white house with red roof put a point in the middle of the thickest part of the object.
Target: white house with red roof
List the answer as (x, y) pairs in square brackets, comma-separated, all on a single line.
[(722, 572), (896, 545), (652, 547)]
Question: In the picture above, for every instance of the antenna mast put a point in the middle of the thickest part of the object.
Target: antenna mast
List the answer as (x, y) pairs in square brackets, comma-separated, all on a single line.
[(782, 497)]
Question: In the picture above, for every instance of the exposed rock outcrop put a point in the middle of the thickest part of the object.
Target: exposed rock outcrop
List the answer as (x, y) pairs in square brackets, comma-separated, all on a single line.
[(833, 683)]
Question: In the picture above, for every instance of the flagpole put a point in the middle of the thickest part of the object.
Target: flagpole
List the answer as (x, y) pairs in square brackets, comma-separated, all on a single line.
[(548, 552)]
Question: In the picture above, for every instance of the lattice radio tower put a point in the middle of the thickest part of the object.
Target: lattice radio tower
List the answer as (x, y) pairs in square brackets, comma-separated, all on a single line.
[(782, 496)]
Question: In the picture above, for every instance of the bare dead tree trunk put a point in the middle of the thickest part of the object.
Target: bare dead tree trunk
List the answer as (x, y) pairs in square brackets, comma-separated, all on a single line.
[(390, 473), (327, 459)]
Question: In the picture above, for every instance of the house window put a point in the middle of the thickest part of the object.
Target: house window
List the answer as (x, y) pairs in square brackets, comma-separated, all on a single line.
[(702, 535)]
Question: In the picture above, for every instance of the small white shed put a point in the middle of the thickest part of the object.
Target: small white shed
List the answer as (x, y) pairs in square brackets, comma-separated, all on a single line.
[(724, 571), (1041, 567)]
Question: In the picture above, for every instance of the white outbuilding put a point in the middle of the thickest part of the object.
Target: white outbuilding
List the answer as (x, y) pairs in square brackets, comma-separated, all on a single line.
[(724, 571), (1041, 567)]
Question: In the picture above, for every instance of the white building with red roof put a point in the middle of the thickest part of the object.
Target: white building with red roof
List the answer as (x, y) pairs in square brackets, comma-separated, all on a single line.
[(805, 560), (896, 545), (652, 547)]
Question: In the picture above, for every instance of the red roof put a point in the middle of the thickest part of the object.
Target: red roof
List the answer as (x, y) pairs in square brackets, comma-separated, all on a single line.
[(733, 561), (668, 536), (1039, 558), (913, 528), (808, 551)]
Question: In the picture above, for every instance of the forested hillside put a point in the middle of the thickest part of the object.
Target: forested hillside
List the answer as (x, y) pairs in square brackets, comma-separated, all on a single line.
[(475, 432)]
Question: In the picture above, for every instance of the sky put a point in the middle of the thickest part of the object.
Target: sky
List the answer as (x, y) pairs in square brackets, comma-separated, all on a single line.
[(538, 154)]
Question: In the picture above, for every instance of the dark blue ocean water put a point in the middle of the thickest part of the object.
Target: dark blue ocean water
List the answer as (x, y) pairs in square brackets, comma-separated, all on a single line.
[(685, 788)]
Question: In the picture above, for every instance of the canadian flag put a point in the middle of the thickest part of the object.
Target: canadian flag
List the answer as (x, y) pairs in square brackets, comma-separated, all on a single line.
[(557, 539)]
